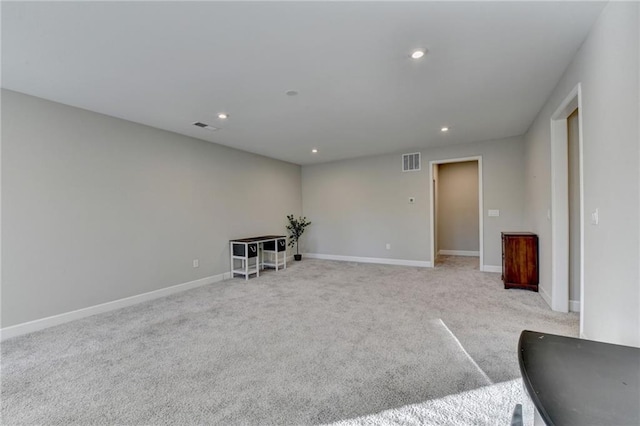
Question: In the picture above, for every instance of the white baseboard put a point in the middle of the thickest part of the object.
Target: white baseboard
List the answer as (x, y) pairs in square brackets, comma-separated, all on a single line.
[(545, 296), (492, 268), (383, 261), (40, 324), (574, 306), (459, 253)]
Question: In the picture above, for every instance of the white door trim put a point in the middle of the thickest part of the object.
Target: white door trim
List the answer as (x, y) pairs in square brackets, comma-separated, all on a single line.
[(480, 205), (560, 203)]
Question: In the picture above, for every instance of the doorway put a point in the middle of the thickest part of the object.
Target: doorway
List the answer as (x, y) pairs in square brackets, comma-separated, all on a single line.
[(567, 207), (573, 155), (456, 211)]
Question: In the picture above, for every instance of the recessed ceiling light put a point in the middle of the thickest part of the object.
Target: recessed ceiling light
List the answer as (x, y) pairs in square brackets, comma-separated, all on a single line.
[(223, 116), (291, 92), (315, 151), (418, 53), (444, 129)]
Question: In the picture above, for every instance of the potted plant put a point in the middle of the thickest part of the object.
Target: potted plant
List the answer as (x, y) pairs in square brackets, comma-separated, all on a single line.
[(296, 229)]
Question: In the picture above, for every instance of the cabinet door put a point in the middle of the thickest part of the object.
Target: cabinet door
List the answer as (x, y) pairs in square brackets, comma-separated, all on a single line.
[(529, 259), (504, 267)]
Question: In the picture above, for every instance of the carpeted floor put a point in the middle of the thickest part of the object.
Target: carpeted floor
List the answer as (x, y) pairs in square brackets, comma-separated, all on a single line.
[(320, 342), (458, 262)]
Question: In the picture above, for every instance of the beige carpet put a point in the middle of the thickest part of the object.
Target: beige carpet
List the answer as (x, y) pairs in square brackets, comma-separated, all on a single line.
[(321, 342), (458, 262)]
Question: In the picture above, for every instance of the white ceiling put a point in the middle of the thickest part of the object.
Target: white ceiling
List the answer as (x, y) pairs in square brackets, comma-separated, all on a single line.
[(490, 67)]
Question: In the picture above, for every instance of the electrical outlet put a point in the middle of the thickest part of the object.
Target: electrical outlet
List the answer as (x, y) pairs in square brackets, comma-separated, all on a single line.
[(196, 263), (494, 213)]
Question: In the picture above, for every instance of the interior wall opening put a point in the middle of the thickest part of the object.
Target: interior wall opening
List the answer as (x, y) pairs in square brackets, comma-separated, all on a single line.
[(567, 206), (456, 222), (573, 126)]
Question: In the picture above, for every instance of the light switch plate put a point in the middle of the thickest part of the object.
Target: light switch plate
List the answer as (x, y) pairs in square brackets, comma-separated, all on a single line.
[(494, 213)]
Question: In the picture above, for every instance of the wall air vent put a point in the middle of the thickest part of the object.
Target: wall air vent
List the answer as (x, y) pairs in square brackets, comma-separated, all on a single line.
[(205, 126), (411, 162)]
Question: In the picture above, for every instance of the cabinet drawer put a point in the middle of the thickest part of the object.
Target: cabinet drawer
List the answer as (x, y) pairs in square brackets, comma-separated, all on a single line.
[(271, 245), (239, 250)]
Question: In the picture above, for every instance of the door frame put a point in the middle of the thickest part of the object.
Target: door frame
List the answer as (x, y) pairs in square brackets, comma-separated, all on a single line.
[(480, 205), (560, 203)]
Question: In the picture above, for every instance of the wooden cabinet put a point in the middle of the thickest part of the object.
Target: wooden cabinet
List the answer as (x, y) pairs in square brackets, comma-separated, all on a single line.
[(520, 260)]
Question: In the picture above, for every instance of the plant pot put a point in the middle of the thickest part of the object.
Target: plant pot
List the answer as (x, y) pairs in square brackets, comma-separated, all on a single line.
[(297, 257)]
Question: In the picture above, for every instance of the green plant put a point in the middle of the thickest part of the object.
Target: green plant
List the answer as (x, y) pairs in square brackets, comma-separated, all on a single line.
[(296, 229)]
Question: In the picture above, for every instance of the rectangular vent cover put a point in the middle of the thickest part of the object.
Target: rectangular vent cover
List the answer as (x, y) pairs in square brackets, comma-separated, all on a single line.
[(205, 126), (411, 162)]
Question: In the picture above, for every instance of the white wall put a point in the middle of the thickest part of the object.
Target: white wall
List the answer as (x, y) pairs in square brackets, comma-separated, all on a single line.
[(96, 208), (457, 208), (359, 205), (607, 68)]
